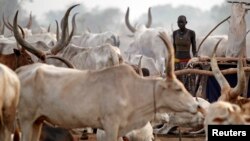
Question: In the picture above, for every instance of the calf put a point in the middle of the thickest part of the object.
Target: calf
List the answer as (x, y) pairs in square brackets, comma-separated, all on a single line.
[(183, 119), (143, 134)]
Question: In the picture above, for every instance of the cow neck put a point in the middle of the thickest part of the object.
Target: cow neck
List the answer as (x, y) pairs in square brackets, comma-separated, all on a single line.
[(154, 102), (16, 62), (154, 98)]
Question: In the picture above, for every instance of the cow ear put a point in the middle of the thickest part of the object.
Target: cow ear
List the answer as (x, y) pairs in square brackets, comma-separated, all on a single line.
[(247, 119), (236, 108), (17, 52), (164, 86), (125, 138), (218, 120)]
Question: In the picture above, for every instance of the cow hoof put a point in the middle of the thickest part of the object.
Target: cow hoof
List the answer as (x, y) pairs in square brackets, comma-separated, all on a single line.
[(84, 136)]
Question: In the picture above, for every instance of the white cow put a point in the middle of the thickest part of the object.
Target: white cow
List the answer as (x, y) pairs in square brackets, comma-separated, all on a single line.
[(183, 119), (105, 99), (237, 30), (143, 134), (207, 47), (26, 30), (48, 38), (88, 39), (41, 40), (9, 98), (146, 62), (231, 43), (99, 57), (146, 42), (92, 58), (7, 45)]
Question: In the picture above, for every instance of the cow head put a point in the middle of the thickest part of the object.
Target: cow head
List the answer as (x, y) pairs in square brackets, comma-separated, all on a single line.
[(111, 38), (222, 112), (173, 94), (17, 59), (21, 58)]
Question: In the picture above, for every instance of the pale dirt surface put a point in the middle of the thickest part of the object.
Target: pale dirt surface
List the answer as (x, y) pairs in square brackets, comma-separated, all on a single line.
[(91, 137)]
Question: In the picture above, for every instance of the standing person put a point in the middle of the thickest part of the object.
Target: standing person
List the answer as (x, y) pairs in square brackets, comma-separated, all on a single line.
[(183, 39)]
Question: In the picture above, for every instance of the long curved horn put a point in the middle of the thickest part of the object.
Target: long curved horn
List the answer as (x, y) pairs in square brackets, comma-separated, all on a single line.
[(170, 61), (248, 31), (172, 27), (130, 27), (63, 41), (48, 29), (65, 61), (29, 24), (241, 78), (57, 31), (25, 44), (224, 85), (211, 32), (22, 31), (139, 66), (6, 24), (73, 29), (23, 34), (10, 25), (88, 29), (2, 29), (246, 3), (148, 25)]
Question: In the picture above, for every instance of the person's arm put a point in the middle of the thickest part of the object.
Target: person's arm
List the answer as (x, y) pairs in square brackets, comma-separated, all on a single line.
[(174, 33), (193, 42)]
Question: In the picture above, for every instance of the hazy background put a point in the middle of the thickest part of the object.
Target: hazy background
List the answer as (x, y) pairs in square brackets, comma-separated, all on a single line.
[(98, 18)]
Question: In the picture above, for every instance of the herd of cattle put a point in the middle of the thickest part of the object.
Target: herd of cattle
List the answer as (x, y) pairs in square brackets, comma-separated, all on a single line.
[(78, 81)]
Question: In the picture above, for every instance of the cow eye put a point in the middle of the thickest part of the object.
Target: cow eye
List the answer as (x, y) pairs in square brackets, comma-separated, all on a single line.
[(30, 60), (178, 90)]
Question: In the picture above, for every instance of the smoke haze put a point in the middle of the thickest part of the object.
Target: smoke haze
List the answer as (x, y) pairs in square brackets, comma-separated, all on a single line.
[(99, 20)]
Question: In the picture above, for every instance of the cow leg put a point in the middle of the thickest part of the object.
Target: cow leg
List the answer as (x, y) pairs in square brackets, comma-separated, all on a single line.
[(111, 131), (26, 129), (5, 134), (9, 116), (36, 131)]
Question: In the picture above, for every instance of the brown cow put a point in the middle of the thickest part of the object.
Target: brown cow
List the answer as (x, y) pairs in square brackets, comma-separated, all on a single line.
[(19, 58)]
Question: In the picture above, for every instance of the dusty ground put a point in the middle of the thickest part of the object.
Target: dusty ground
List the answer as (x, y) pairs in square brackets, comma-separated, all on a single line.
[(91, 137)]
